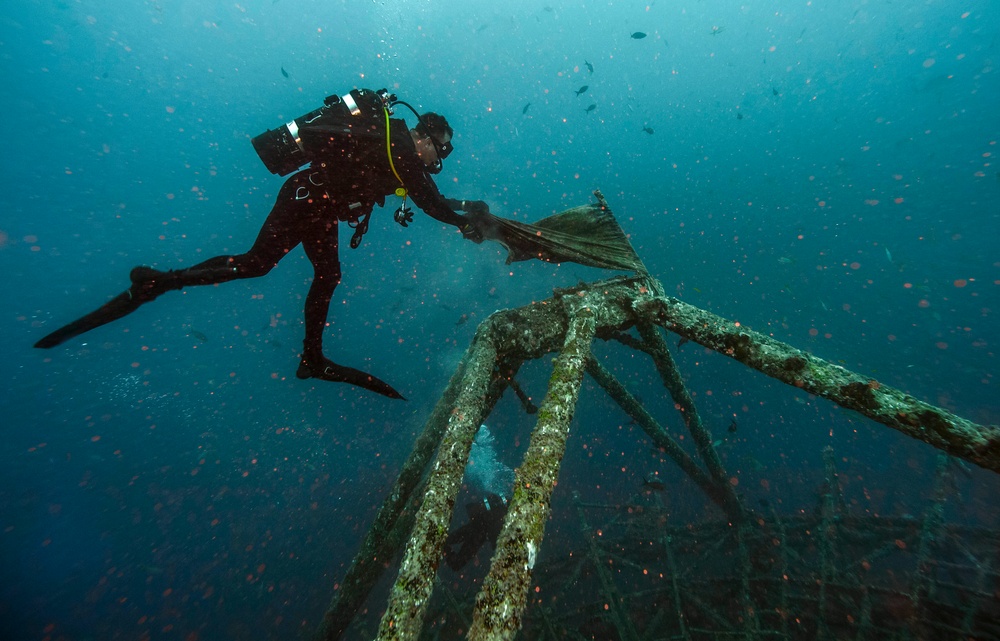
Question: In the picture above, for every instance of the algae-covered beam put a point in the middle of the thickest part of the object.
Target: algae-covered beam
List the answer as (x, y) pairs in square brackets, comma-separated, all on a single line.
[(387, 531), (979, 444), (404, 616), (720, 493), (500, 604), (377, 546), (672, 380)]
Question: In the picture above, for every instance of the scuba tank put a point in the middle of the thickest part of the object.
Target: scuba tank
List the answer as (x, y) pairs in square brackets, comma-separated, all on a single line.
[(330, 130)]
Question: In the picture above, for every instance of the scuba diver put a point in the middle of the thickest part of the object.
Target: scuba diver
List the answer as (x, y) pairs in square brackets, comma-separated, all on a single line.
[(485, 521), (357, 156)]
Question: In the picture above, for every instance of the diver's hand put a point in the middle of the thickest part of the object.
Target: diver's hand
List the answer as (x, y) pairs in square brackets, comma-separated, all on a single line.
[(471, 231), (475, 207)]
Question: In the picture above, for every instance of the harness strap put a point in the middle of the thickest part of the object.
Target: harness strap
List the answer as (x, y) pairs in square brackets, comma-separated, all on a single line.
[(360, 229)]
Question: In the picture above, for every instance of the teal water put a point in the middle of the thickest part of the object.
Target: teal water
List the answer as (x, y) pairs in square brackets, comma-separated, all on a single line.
[(824, 172)]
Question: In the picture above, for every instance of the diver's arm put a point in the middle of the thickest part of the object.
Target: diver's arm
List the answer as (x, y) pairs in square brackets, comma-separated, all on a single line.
[(468, 206), (426, 196)]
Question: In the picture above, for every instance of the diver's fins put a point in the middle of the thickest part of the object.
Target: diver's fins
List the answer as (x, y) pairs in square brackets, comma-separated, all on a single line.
[(330, 371), (147, 284), (121, 305)]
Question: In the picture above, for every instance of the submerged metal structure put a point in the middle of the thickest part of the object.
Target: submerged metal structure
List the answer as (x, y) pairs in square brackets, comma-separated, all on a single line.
[(418, 510)]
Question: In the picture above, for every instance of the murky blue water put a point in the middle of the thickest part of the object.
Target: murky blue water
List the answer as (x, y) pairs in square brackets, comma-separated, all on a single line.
[(825, 172)]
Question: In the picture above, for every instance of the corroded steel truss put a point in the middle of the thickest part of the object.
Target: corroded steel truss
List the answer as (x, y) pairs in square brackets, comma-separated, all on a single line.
[(419, 507)]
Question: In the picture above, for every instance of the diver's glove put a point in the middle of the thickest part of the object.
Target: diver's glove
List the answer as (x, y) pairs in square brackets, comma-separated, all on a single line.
[(327, 370), (470, 230), (475, 207)]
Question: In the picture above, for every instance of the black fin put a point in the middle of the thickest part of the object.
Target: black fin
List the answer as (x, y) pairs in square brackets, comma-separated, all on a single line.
[(334, 373), (121, 305)]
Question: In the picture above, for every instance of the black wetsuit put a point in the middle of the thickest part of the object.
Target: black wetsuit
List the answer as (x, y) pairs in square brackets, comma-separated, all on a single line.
[(339, 187), (313, 201), (484, 524)]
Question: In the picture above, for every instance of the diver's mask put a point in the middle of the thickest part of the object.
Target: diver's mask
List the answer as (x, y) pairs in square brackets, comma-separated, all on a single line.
[(443, 149)]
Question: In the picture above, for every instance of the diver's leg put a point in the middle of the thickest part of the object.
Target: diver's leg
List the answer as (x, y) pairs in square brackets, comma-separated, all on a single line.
[(322, 249), (323, 253), (149, 283), (278, 236), (281, 233)]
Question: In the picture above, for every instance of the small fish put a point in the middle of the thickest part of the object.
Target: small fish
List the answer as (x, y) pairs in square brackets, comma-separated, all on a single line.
[(482, 28), (774, 91), (653, 483), (785, 260), (648, 130), (638, 35), (590, 108), (739, 115), (590, 67), (888, 256), (733, 426), (718, 443), (462, 320), (717, 30), (525, 110), (582, 89), (283, 72), (754, 464), (684, 339), (196, 334)]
